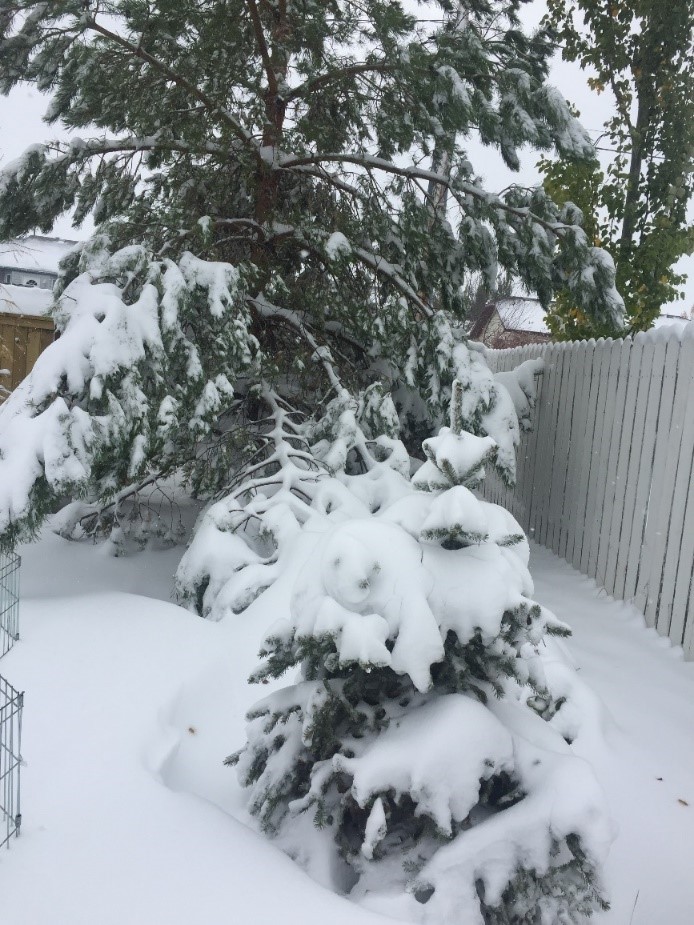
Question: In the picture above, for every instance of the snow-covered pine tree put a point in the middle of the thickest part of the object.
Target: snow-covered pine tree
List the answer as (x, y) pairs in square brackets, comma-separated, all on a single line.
[(267, 224), (421, 734)]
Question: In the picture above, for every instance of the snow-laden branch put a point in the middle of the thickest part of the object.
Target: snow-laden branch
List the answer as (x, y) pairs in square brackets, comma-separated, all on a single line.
[(374, 261), (268, 310), (97, 146), (385, 268), (455, 185)]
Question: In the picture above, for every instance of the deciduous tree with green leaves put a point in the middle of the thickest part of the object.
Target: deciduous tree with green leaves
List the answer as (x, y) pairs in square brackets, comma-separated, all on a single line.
[(643, 54)]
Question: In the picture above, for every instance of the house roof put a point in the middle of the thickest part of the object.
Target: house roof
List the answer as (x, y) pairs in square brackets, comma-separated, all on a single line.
[(24, 300), (34, 253), (664, 320), (526, 315)]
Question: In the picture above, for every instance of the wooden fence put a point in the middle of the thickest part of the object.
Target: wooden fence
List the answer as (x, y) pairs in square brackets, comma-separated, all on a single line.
[(22, 339), (605, 477)]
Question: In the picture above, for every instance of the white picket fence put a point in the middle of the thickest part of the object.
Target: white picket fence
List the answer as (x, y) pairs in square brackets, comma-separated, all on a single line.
[(605, 479)]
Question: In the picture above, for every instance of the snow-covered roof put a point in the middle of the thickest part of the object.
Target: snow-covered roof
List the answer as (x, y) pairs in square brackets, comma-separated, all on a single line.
[(664, 320), (24, 300), (518, 314), (34, 252)]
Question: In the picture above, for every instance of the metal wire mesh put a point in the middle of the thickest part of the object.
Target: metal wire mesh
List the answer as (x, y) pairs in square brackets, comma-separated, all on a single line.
[(11, 705), (9, 601)]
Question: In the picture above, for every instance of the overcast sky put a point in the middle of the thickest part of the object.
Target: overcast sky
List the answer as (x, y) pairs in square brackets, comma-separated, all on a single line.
[(21, 125)]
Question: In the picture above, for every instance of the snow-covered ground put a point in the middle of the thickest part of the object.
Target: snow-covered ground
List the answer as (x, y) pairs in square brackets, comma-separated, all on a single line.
[(130, 818)]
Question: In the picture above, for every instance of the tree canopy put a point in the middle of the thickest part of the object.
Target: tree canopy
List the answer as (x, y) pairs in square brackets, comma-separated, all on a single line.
[(642, 53), (261, 178)]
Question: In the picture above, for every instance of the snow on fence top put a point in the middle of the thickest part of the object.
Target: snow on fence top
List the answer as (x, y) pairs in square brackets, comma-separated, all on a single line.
[(23, 300), (606, 479), (678, 321)]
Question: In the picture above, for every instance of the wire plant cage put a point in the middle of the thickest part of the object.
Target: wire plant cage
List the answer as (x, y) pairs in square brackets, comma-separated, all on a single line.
[(11, 706), (9, 600)]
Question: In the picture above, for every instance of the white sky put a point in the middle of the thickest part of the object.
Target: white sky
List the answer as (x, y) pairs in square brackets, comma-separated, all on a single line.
[(22, 111)]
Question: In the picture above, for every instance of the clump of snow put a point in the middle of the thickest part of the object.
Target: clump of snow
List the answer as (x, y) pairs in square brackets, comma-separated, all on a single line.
[(337, 245), (457, 514), (443, 776), (454, 459), (520, 385), (370, 586)]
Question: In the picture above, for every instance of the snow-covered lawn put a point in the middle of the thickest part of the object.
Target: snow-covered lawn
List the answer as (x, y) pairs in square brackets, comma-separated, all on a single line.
[(130, 818)]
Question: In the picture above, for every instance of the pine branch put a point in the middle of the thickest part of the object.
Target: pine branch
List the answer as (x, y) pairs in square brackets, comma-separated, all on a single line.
[(353, 70), (100, 146), (411, 173), (268, 310), (213, 108), (387, 269)]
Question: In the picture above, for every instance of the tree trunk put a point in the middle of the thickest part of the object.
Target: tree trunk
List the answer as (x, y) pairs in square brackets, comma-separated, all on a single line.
[(276, 63)]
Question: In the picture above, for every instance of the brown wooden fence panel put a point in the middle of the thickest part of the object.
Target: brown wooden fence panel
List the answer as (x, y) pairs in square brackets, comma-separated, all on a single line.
[(22, 339)]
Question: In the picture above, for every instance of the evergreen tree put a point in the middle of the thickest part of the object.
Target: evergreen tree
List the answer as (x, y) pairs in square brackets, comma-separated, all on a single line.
[(642, 54), (267, 225), (421, 734)]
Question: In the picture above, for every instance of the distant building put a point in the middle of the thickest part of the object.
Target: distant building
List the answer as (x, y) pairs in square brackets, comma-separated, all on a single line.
[(677, 320), (28, 271), (27, 264), (511, 322)]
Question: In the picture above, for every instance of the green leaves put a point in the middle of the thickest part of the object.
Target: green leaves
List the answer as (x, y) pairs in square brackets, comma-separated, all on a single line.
[(643, 55)]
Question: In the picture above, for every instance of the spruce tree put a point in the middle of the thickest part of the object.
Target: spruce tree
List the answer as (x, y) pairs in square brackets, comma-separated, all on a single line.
[(266, 179), (421, 734)]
